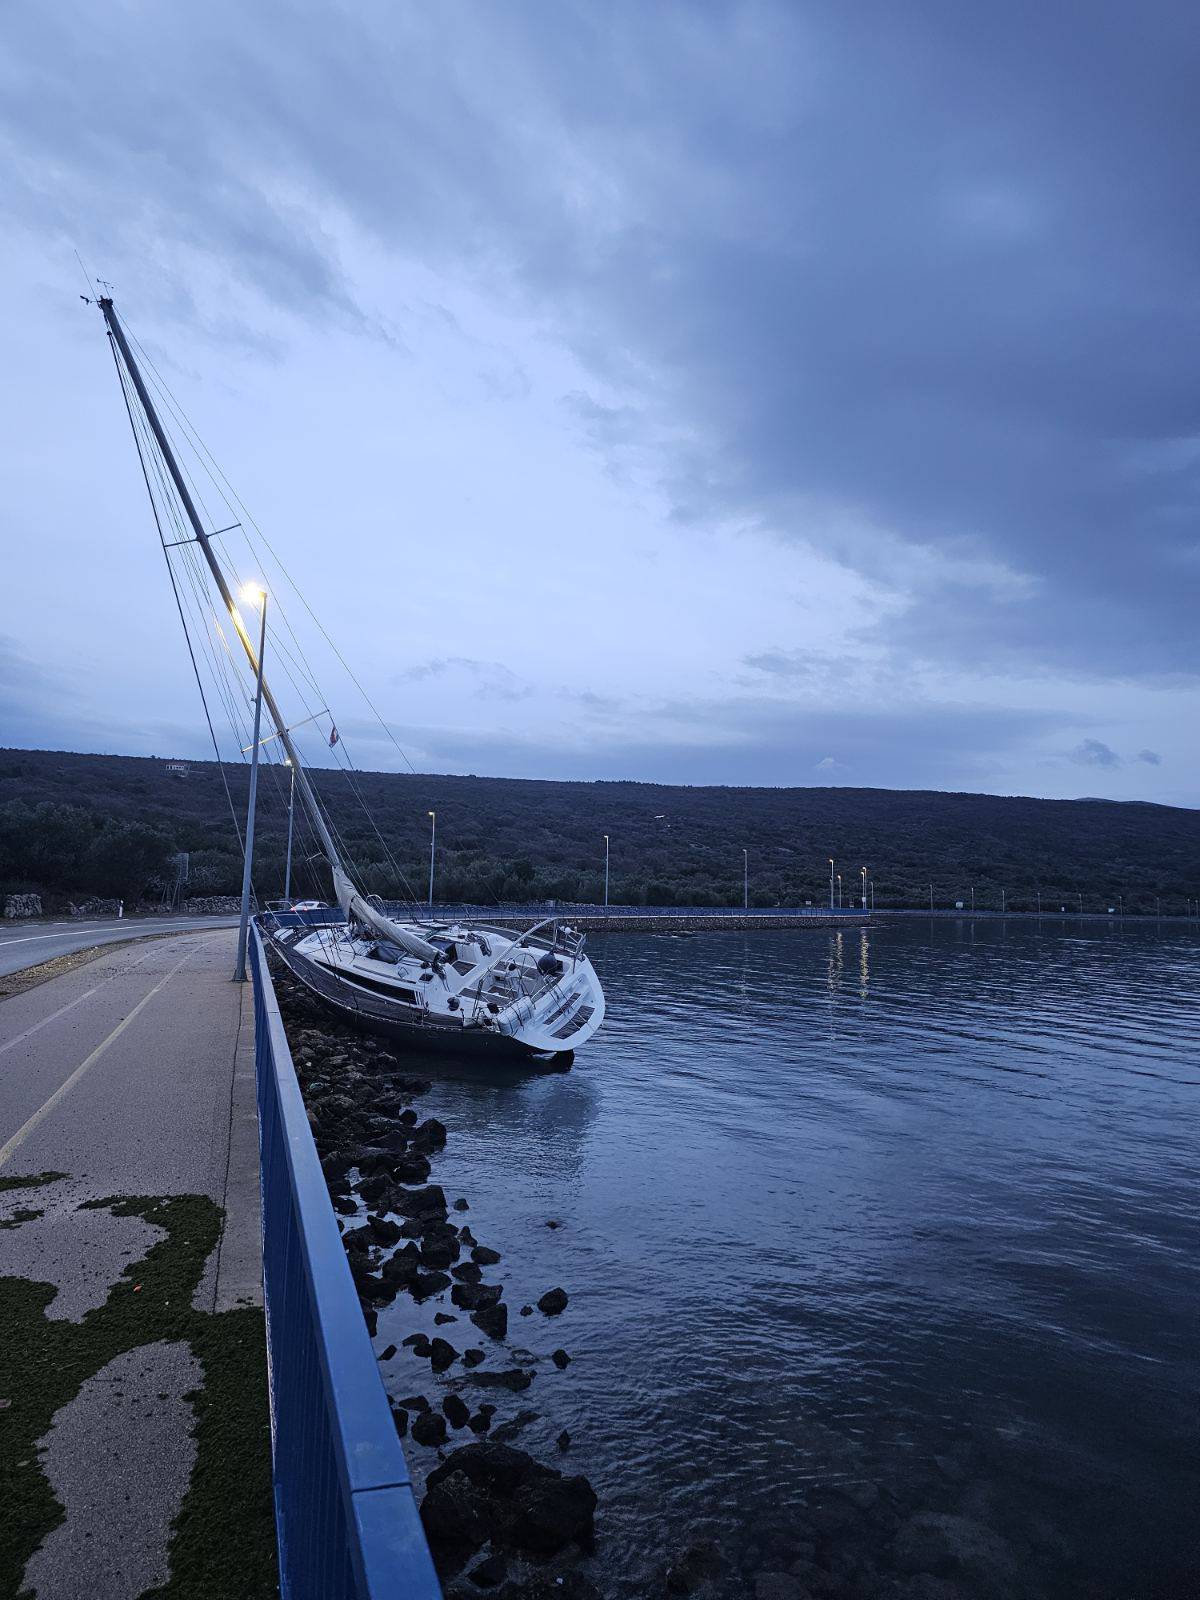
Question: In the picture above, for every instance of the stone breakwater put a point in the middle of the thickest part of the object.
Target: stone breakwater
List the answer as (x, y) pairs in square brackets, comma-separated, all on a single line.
[(496, 1518)]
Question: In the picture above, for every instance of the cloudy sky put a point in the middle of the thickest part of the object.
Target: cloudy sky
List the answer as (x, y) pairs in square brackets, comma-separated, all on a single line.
[(802, 393)]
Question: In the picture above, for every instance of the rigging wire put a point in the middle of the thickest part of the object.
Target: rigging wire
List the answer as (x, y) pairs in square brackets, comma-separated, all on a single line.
[(178, 605)]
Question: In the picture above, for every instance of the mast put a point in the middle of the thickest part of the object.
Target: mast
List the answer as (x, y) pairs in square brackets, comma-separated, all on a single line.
[(348, 896)]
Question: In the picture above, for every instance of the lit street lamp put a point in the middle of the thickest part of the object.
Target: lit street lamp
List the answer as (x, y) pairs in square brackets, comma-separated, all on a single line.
[(839, 904), (287, 875), (831, 883), (432, 815), (252, 594), (863, 871)]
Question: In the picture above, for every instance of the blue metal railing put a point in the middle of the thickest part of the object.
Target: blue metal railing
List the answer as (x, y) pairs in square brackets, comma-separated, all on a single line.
[(344, 1510)]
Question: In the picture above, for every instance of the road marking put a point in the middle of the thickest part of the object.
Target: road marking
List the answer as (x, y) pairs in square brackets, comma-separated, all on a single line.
[(32, 938), (78, 998), (43, 1111)]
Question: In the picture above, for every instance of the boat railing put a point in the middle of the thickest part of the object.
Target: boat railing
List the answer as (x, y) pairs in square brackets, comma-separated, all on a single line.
[(346, 1519)]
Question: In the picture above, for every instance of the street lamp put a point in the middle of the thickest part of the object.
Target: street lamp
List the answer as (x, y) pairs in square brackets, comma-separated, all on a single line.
[(831, 883), (972, 899), (745, 880), (1003, 905), (432, 815), (930, 899), (863, 874), (252, 594), (1039, 902), (839, 879), (287, 875), (1079, 897), (606, 872)]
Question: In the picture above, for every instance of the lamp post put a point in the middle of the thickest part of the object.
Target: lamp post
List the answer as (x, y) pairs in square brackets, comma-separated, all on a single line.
[(253, 595), (1003, 904), (831, 883), (745, 880), (287, 874), (1039, 902), (863, 874), (606, 872), (972, 899), (432, 815), (839, 879), (930, 899), (1079, 897)]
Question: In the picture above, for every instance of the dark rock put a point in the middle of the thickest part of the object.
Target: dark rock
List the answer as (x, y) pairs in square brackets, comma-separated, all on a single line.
[(475, 1296), (442, 1354), (408, 1118), (467, 1237), (430, 1135), (418, 1343), (951, 1547), (414, 1402), (552, 1513), (400, 1418), (456, 1410), (411, 1168), (553, 1302), (498, 1469), (468, 1272), (373, 1188), (491, 1570), (698, 1563), (492, 1320), (510, 1429), (420, 1202), (481, 1421), (554, 1224), (441, 1317), (513, 1379), (456, 1515), (429, 1427), (564, 1440), (423, 1284), (438, 1251), (384, 1229), (344, 1204), (560, 1359), (401, 1264), (472, 1358), (526, 1311), (371, 1318), (485, 1256), (386, 1355), (461, 1205)]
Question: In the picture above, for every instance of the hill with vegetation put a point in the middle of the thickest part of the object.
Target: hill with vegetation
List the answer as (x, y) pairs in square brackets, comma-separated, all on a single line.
[(72, 825)]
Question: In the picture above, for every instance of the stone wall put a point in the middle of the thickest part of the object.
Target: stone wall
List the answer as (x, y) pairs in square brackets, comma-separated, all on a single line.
[(22, 905), (224, 904)]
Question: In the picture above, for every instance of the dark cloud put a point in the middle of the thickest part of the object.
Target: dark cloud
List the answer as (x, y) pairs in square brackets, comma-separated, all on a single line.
[(1150, 757), (1094, 753), (914, 285)]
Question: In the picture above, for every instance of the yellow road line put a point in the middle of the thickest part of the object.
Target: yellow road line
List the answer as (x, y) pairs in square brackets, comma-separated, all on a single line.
[(40, 1115)]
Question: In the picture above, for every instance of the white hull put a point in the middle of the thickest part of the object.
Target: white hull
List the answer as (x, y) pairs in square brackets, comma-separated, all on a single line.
[(485, 987)]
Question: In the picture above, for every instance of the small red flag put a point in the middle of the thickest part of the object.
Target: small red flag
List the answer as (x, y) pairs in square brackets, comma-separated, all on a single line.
[(333, 737)]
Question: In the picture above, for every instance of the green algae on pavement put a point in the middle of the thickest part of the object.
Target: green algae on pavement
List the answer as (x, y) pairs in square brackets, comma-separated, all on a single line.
[(30, 1181), (222, 1541)]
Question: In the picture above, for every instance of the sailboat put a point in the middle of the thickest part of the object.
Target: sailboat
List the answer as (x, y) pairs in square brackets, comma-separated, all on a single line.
[(463, 983)]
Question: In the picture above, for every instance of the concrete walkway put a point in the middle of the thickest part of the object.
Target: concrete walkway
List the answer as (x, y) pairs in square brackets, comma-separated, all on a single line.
[(132, 1075)]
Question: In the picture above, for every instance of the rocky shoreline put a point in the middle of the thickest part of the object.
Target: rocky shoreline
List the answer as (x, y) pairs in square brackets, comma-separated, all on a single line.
[(498, 1520)]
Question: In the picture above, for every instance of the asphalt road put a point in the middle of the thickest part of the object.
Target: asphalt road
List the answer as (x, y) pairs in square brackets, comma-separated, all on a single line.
[(28, 944)]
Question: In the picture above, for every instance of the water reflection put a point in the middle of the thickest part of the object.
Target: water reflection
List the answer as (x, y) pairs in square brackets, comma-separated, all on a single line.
[(932, 1253)]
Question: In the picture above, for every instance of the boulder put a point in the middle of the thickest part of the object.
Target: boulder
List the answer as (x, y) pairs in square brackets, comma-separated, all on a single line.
[(442, 1354), (491, 1571), (957, 1547), (429, 1201), (472, 1358), (429, 1427), (560, 1359), (457, 1411), (484, 1255), (514, 1379), (552, 1513), (430, 1135), (468, 1272), (698, 1563), (474, 1296), (422, 1284), (456, 1515), (553, 1302), (492, 1320)]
